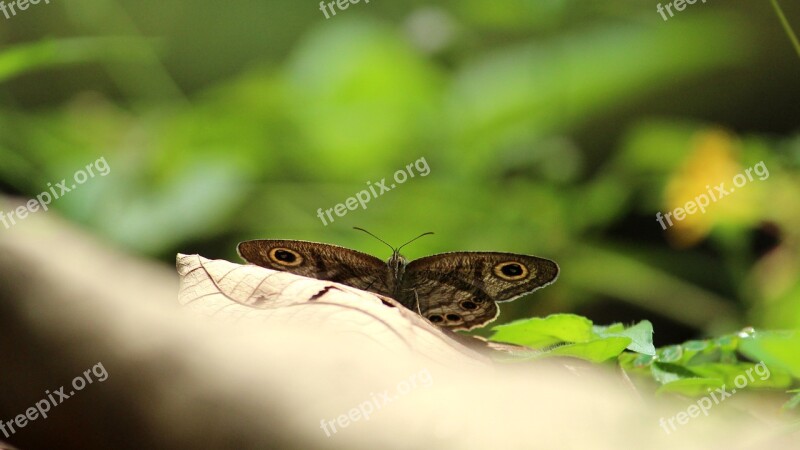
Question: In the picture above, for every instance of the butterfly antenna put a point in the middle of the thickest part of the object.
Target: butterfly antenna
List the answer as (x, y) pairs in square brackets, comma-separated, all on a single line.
[(423, 234), (376, 237), (396, 250)]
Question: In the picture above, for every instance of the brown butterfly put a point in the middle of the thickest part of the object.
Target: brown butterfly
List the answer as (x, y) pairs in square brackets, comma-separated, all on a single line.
[(457, 290)]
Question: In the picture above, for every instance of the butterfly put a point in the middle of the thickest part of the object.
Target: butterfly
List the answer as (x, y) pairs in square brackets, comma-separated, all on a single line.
[(456, 290)]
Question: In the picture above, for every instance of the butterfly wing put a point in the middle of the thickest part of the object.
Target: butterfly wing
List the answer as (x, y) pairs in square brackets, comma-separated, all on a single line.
[(459, 290), (320, 261)]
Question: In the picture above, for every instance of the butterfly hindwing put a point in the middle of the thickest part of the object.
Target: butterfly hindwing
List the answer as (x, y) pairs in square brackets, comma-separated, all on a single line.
[(459, 290)]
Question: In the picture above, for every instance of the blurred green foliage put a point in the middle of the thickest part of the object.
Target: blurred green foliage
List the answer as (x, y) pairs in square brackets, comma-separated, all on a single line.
[(747, 359), (557, 128)]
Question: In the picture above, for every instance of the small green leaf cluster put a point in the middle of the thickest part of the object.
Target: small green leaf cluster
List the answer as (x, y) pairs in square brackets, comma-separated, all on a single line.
[(748, 359)]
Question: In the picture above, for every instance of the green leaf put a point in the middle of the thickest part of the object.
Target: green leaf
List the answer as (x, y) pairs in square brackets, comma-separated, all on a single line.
[(541, 332), (641, 336), (693, 387), (584, 341), (671, 353), (777, 349), (744, 375), (695, 346), (666, 373), (613, 328), (597, 350)]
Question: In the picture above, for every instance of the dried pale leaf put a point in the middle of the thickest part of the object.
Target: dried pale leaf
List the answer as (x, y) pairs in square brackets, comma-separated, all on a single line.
[(226, 290)]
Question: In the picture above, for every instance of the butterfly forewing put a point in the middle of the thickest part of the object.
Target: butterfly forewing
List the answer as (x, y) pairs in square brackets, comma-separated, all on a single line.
[(320, 261)]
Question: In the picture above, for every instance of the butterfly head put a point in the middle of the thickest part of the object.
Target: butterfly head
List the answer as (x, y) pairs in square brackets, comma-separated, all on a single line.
[(397, 262)]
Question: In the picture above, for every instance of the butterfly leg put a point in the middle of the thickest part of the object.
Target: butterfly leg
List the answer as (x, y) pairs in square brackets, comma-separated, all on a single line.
[(416, 298)]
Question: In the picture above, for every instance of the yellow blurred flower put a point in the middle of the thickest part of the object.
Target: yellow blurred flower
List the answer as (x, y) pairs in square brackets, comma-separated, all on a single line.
[(707, 176)]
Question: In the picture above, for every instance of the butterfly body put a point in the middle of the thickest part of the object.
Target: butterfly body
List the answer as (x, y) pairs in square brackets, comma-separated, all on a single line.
[(457, 290)]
